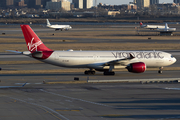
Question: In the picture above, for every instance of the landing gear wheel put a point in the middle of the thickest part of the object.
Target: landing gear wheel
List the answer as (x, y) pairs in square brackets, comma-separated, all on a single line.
[(160, 71), (93, 72), (89, 72), (109, 73)]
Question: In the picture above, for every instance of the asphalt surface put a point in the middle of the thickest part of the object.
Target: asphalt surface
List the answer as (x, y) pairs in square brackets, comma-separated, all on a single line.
[(88, 28), (97, 101)]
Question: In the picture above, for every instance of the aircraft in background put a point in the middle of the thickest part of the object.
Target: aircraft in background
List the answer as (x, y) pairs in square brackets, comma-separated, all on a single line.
[(105, 61), (151, 27), (163, 30), (58, 27), (166, 28)]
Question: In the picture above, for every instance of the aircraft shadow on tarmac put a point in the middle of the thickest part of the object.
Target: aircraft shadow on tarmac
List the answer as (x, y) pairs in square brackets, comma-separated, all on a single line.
[(155, 100), (121, 35), (166, 104), (153, 116)]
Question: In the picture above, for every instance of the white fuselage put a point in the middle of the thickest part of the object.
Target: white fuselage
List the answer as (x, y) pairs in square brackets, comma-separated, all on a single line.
[(97, 59), (152, 26), (167, 29), (158, 27), (59, 26)]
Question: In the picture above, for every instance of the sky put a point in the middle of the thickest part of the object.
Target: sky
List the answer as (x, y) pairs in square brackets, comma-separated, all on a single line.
[(119, 2)]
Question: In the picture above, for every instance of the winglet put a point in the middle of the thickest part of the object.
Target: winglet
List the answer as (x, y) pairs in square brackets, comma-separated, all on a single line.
[(24, 84), (131, 56)]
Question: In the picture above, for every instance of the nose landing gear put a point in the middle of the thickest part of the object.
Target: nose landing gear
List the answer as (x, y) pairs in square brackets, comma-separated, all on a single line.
[(160, 70)]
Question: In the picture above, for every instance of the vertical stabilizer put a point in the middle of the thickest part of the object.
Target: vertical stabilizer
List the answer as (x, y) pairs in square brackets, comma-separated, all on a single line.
[(48, 23), (32, 40), (166, 27), (141, 23)]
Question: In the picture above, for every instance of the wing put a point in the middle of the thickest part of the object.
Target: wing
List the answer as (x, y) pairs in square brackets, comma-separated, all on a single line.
[(120, 61)]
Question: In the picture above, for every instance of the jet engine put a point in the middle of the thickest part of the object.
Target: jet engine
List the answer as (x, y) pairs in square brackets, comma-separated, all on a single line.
[(57, 29), (66, 29), (138, 67)]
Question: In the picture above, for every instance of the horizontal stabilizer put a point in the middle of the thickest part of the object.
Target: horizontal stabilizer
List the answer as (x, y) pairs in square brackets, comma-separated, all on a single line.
[(15, 51), (18, 52)]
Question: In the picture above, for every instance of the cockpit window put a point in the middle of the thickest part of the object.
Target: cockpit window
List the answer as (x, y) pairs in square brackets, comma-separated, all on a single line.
[(172, 56)]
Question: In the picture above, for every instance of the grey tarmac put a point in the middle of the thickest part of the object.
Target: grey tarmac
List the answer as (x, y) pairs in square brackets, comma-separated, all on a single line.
[(87, 101)]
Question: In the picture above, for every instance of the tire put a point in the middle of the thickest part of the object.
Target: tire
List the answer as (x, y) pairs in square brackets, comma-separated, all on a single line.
[(86, 72), (92, 72), (109, 73), (89, 72), (160, 71)]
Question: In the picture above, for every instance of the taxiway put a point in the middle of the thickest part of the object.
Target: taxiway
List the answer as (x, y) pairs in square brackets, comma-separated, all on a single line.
[(87, 101)]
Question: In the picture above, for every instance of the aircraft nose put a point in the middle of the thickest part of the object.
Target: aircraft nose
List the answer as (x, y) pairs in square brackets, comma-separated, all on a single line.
[(174, 60)]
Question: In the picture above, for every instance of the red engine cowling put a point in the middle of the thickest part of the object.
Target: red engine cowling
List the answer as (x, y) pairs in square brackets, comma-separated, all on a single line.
[(138, 67)]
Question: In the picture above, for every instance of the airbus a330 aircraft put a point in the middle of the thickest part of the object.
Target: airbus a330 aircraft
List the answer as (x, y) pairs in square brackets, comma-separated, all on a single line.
[(58, 27), (151, 27), (105, 61)]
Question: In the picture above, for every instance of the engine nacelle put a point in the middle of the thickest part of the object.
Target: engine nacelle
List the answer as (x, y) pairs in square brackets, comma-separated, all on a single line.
[(66, 29), (138, 67), (58, 29)]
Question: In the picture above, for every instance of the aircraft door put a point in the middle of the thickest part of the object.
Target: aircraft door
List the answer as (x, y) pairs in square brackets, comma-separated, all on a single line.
[(95, 57), (56, 57)]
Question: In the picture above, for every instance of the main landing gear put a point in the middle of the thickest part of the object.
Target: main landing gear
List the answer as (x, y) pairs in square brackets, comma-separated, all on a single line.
[(160, 70), (109, 73), (89, 72)]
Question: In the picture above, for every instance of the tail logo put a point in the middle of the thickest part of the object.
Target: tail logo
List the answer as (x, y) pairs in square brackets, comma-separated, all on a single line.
[(33, 46)]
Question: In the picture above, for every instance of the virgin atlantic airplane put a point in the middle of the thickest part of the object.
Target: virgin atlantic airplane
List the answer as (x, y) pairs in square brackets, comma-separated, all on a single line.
[(105, 61)]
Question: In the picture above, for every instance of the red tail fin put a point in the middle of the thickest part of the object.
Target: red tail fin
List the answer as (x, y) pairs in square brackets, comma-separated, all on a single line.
[(32, 40), (141, 23)]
